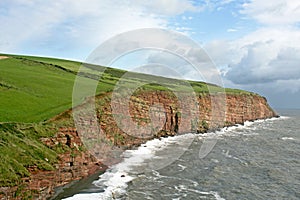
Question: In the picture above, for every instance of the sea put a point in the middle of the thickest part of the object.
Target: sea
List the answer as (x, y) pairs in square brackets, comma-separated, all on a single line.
[(257, 160)]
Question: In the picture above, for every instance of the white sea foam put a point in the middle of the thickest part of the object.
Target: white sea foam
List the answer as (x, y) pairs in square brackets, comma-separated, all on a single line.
[(228, 155), (215, 194), (288, 138), (182, 167), (281, 117), (116, 178), (273, 119), (232, 130), (183, 188)]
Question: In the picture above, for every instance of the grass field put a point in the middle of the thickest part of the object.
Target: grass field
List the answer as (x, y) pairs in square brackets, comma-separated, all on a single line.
[(34, 89), (32, 92)]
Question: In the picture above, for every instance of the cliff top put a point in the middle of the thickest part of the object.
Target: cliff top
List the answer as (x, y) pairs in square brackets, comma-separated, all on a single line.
[(35, 89)]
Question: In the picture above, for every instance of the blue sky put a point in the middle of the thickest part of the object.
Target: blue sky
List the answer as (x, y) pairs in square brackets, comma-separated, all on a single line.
[(255, 44)]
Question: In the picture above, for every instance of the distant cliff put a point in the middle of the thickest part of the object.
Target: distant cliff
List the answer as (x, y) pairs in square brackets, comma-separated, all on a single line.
[(75, 161)]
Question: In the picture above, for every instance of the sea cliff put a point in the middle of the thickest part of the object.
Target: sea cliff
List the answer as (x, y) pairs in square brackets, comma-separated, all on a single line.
[(75, 161)]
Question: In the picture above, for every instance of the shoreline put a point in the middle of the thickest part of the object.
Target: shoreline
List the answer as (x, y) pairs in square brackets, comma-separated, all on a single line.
[(84, 185), (77, 189)]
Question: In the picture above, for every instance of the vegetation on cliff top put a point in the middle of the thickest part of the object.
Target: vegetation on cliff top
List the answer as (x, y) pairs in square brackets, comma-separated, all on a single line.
[(35, 89)]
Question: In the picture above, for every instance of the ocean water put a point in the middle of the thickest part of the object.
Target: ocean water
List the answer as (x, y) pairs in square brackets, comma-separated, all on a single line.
[(259, 160)]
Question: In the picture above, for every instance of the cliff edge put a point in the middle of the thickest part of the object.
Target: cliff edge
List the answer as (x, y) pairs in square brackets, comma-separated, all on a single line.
[(75, 161)]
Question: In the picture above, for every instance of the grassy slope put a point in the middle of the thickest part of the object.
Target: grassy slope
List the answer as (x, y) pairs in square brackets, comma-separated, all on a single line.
[(32, 92), (34, 89), (20, 148)]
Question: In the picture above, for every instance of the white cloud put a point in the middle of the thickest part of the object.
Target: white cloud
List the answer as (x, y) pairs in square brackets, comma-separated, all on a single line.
[(260, 56), (220, 51), (232, 30), (17, 24), (223, 2), (70, 24), (266, 55), (266, 60), (275, 12), (204, 71)]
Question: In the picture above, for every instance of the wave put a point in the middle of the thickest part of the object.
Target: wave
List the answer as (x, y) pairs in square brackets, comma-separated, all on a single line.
[(115, 180), (288, 138)]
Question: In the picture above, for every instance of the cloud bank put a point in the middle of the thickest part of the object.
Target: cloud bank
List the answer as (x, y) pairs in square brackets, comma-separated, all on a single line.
[(266, 60), (66, 24)]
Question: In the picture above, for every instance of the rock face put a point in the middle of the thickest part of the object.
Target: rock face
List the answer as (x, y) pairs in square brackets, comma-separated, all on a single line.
[(154, 114), (74, 164), (246, 108), (125, 124)]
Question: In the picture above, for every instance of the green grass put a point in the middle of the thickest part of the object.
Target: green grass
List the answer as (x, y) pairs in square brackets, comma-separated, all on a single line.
[(34, 89), (71, 65), (36, 92), (20, 148)]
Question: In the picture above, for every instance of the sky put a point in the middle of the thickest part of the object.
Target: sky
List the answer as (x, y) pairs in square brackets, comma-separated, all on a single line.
[(254, 44)]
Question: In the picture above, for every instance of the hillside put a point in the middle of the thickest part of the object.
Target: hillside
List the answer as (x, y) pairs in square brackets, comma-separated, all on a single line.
[(40, 147), (34, 89)]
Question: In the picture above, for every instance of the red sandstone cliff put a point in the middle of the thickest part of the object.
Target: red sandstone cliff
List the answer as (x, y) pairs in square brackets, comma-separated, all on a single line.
[(172, 115)]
